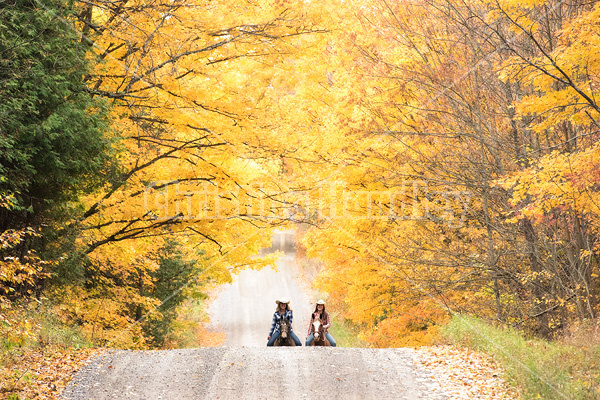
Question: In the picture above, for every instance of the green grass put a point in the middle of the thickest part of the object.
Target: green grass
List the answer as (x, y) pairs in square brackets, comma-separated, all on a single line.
[(344, 333), (563, 369), (35, 326), (29, 327), (54, 332)]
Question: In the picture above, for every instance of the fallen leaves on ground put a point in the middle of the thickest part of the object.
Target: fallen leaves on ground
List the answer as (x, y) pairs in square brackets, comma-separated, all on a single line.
[(41, 373), (465, 374)]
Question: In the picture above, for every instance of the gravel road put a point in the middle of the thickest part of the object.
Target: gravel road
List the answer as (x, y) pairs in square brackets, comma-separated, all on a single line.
[(244, 309), (245, 369), (255, 373)]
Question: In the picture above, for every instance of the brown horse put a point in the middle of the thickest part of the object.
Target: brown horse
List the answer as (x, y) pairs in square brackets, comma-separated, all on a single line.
[(284, 339), (319, 334)]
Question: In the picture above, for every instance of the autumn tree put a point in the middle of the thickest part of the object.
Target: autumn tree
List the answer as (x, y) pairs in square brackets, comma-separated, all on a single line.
[(198, 152), (448, 97), (555, 194)]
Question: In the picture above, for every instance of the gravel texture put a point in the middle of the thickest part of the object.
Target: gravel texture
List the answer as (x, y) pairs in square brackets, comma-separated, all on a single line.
[(255, 373), (168, 374)]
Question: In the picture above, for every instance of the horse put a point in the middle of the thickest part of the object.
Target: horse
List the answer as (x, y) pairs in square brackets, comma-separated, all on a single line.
[(284, 339), (319, 334)]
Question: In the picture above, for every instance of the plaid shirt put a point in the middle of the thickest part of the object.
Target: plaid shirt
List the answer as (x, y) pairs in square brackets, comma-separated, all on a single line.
[(276, 324), (326, 323)]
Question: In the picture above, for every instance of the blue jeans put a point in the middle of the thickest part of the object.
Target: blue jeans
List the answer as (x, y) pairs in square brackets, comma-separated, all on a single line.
[(310, 338), (276, 335)]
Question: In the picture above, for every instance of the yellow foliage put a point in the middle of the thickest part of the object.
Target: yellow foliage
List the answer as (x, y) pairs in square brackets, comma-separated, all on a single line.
[(430, 144)]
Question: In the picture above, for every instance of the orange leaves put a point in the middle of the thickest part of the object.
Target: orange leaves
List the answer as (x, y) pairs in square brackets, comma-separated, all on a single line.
[(198, 91), (409, 325), (424, 97), (370, 288), (563, 73), (103, 313), (15, 328), (464, 374), (42, 374), (558, 182), (186, 85)]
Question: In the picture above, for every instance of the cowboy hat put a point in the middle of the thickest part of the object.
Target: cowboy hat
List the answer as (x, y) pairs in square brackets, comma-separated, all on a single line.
[(282, 300), (321, 301)]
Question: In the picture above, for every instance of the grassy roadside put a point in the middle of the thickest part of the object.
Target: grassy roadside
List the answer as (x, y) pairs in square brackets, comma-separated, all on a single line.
[(38, 354), (189, 329), (343, 332), (564, 369)]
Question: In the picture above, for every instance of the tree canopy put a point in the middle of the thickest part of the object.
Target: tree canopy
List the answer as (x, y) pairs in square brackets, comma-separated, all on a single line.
[(442, 155)]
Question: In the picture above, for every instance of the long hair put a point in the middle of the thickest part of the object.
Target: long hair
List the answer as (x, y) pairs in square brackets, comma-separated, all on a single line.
[(287, 307), (323, 313)]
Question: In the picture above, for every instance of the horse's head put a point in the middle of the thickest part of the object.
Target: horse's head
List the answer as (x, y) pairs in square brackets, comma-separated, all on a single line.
[(284, 328), (317, 328)]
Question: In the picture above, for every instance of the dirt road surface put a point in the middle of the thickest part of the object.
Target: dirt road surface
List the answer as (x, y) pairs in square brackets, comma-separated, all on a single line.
[(244, 310), (244, 368)]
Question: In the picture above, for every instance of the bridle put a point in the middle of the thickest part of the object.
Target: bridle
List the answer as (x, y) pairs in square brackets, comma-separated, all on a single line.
[(284, 331)]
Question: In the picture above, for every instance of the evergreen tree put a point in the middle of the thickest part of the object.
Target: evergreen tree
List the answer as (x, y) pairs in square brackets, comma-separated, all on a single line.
[(53, 143), (173, 284)]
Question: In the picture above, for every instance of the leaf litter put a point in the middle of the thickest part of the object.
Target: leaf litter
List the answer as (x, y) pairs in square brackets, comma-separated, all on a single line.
[(465, 374)]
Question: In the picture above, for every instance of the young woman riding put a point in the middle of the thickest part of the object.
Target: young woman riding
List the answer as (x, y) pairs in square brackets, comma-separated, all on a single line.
[(283, 311), (324, 317)]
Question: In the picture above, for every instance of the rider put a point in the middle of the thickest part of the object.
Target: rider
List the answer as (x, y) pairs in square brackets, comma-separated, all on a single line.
[(283, 311), (324, 317)]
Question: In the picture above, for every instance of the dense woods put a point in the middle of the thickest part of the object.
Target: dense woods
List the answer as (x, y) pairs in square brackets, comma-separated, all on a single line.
[(477, 132), (439, 157)]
